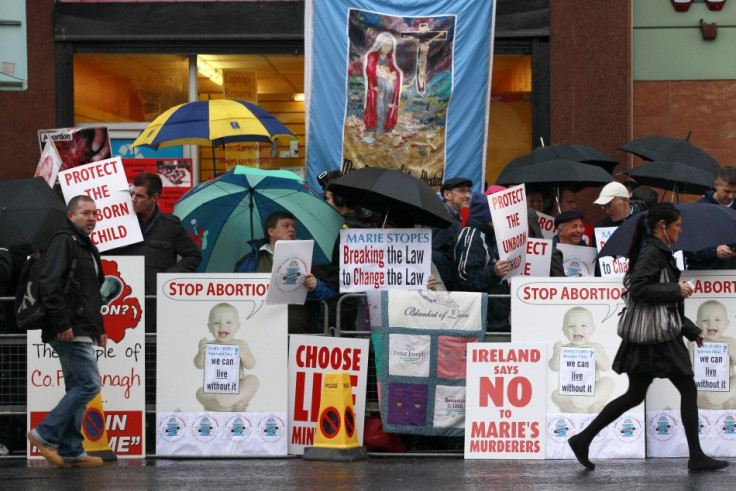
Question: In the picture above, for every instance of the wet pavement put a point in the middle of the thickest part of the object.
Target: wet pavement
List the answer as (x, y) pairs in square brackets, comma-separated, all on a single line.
[(378, 472)]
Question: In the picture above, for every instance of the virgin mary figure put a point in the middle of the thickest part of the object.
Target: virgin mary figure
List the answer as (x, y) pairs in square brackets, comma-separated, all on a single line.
[(382, 84)]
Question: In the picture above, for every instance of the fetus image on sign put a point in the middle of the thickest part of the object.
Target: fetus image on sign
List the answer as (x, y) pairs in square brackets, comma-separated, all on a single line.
[(225, 360), (581, 388)]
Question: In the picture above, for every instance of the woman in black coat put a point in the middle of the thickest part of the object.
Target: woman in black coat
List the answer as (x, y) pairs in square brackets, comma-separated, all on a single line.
[(650, 253)]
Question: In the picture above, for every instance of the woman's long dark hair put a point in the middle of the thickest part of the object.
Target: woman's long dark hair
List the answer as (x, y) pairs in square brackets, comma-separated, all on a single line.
[(645, 225)]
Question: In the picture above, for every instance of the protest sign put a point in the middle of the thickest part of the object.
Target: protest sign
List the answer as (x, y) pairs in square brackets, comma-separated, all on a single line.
[(538, 257), (511, 226), (291, 261), (505, 417), (384, 259), (609, 266), (547, 224), (577, 260), (104, 182), (310, 358), (49, 165), (196, 311), (711, 307), (175, 174), (78, 146), (121, 362), (578, 314)]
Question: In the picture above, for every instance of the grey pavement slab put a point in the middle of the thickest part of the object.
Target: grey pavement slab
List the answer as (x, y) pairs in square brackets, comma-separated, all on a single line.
[(391, 473)]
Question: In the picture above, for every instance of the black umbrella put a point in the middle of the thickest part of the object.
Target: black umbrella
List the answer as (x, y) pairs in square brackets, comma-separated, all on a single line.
[(30, 213), (670, 149), (703, 225), (673, 176), (381, 190), (557, 171), (564, 151)]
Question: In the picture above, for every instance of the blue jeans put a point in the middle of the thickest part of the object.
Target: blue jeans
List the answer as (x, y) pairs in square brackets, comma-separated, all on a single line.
[(61, 428)]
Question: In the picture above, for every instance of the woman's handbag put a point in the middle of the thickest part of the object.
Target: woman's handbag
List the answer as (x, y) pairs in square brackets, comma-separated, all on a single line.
[(644, 323)]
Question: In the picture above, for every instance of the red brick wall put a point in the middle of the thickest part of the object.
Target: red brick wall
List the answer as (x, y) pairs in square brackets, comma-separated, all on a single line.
[(22, 113)]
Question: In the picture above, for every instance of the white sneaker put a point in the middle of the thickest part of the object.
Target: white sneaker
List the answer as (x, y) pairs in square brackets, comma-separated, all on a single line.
[(4, 450)]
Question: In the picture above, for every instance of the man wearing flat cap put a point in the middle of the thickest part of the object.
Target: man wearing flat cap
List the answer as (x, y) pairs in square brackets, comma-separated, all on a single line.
[(614, 199), (455, 193), (570, 230)]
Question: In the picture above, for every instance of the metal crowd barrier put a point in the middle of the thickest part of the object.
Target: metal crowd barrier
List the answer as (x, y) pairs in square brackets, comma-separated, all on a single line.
[(13, 362)]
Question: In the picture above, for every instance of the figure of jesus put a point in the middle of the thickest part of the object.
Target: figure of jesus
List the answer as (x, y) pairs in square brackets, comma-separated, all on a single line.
[(423, 38)]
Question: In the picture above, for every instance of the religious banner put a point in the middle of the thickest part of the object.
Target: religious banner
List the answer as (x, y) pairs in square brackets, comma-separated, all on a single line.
[(310, 358), (420, 341), (711, 308), (505, 416), (398, 85), (213, 329), (175, 174), (104, 182), (384, 259), (121, 364), (576, 318)]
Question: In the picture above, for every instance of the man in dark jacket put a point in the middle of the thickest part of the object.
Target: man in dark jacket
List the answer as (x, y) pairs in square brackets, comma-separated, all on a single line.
[(166, 246), (74, 326), (281, 226), (614, 198), (724, 194), (479, 268), (455, 192)]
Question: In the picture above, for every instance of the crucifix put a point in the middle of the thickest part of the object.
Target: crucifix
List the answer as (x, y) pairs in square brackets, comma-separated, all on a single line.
[(423, 37)]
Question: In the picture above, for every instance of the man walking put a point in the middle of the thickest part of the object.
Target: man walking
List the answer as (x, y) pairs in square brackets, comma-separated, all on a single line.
[(74, 325)]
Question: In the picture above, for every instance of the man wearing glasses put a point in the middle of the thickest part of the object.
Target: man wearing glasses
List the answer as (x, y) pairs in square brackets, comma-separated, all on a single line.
[(614, 199), (455, 192)]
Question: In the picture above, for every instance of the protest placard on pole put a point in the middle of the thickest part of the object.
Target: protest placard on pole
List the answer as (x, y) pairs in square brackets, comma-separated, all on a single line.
[(511, 225), (105, 182), (384, 259)]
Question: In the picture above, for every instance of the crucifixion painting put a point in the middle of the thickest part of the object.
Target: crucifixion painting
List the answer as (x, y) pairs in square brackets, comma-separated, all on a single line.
[(423, 37)]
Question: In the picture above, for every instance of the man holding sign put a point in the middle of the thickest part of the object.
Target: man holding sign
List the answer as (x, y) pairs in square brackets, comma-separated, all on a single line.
[(479, 268), (282, 226)]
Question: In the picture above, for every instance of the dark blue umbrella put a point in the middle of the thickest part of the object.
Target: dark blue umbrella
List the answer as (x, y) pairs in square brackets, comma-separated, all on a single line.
[(703, 225)]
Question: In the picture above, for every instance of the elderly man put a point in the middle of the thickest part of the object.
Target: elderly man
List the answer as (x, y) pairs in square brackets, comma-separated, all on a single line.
[(456, 195), (614, 199), (570, 230), (724, 194)]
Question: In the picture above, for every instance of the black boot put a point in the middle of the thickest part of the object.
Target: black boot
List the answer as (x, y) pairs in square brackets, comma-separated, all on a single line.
[(580, 448), (705, 463)]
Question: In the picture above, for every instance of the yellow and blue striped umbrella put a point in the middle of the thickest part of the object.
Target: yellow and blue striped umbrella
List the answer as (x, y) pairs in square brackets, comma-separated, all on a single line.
[(214, 122)]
